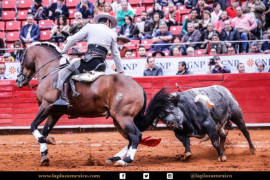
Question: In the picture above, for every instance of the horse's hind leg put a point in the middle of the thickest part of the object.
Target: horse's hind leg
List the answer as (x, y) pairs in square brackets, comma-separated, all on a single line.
[(238, 119), (52, 119)]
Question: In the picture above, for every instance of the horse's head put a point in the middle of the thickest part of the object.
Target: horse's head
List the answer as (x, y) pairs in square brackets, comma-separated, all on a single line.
[(27, 69), (164, 107)]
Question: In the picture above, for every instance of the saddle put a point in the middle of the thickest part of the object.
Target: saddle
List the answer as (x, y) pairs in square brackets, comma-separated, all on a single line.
[(87, 77)]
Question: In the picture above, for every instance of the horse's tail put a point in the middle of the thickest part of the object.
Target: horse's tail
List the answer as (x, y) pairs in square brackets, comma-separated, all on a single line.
[(140, 120)]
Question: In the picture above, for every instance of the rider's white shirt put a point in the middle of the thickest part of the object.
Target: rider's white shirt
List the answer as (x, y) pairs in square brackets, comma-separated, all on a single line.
[(99, 34)]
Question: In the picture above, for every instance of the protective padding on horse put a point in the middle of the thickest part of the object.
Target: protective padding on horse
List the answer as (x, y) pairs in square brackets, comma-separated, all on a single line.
[(88, 76)]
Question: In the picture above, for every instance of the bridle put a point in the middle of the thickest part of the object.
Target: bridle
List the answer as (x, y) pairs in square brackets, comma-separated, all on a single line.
[(21, 76)]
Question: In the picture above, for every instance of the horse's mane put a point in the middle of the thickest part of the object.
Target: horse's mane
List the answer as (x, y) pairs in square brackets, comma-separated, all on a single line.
[(158, 104), (48, 45)]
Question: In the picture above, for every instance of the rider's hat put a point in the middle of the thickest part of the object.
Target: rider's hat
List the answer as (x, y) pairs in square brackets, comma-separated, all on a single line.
[(123, 39), (106, 16)]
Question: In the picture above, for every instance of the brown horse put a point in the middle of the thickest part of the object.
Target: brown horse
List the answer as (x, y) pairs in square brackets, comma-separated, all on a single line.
[(111, 95)]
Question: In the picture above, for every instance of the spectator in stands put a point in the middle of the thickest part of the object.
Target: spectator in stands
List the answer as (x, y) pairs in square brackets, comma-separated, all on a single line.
[(86, 8), (139, 32), (230, 34), (267, 14), (128, 54), (231, 10), (57, 9), (157, 9), (17, 51), (38, 10), (127, 28), (190, 51), (7, 57), (162, 38), (77, 24), (231, 50), (258, 7), (192, 18), (142, 51), (158, 54), (176, 51), (172, 17), (182, 68), (241, 68), (201, 7), (176, 43), (59, 32), (190, 3), (244, 24), (120, 15), (2, 46), (108, 9), (193, 35), (163, 3), (218, 66), (2, 70), (31, 31), (121, 41), (116, 6), (206, 19), (220, 24), (178, 2), (207, 34), (266, 44), (215, 43), (151, 68), (260, 67), (157, 21), (100, 7), (255, 47), (215, 15)]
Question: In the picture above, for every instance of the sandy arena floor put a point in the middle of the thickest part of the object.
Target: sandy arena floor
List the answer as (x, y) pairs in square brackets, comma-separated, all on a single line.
[(88, 152)]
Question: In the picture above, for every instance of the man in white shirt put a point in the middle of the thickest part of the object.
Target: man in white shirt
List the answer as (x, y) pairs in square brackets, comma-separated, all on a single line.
[(116, 6), (101, 38)]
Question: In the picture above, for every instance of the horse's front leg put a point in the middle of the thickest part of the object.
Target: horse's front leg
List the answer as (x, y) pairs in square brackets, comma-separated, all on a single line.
[(186, 142), (52, 119)]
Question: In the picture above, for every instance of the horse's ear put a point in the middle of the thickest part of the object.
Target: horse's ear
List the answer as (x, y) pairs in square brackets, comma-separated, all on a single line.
[(174, 98)]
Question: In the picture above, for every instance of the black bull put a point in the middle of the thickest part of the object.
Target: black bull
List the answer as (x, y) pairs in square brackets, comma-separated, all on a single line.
[(197, 119)]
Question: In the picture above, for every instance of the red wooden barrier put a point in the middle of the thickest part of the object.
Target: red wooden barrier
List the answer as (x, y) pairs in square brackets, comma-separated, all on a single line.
[(18, 106)]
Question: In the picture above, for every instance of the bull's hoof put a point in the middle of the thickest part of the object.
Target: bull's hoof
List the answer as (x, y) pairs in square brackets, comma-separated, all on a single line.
[(50, 140), (44, 161), (222, 158), (186, 156), (121, 163)]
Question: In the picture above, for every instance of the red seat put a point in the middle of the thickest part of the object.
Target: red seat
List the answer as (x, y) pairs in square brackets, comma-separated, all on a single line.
[(25, 4), (46, 2), (147, 43), (148, 1), (10, 47), (8, 15), (176, 30), (199, 52), (139, 10), (3, 35), (46, 24), (2, 26), (13, 25), (72, 3), (183, 17), (134, 2), (13, 36), (133, 44), (45, 35), (183, 10), (8, 4), (82, 46), (72, 11), (22, 14)]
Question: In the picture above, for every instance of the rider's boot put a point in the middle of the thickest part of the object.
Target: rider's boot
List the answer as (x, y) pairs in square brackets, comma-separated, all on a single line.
[(63, 101)]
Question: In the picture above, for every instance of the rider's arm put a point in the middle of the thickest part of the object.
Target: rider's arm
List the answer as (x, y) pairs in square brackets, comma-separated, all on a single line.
[(116, 56), (79, 36)]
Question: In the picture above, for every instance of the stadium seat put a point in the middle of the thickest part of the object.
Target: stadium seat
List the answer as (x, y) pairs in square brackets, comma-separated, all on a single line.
[(13, 36), (148, 2), (176, 30), (10, 47), (2, 26), (45, 35), (1, 58), (147, 43), (139, 10), (199, 52), (134, 2), (3, 35), (46, 2), (71, 3), (71, 11), (13, 25), (22, 15), (8, 4), (183, 17), (133, 44), (46, 24), (183, 10), (25, 4), (82, 46), (8, 15)]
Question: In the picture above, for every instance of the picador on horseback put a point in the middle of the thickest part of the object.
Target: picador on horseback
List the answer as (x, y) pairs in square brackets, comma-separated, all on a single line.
[(100, 39)]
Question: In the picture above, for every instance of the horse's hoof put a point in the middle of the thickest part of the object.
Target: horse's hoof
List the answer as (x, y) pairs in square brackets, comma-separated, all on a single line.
[(186, 156), (121, 163), (44, 161), (112, 160), (222, 158), (252, 150), (50, 140)]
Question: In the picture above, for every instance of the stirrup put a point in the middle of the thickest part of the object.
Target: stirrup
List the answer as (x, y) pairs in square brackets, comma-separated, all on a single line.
[(61, 103)]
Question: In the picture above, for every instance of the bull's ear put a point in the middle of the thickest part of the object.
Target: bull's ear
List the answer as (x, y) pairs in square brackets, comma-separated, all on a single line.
[(174, 98)]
